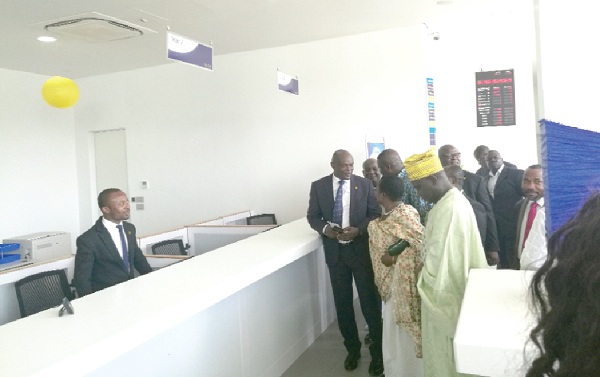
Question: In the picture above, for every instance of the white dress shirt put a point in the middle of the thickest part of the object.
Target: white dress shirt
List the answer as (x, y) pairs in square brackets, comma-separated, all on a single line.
[(345, 203), (533, 254), (114, 234), (493, 179)]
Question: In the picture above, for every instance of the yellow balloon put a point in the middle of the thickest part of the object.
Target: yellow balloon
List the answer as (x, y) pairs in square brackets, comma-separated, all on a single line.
[(60, 92)]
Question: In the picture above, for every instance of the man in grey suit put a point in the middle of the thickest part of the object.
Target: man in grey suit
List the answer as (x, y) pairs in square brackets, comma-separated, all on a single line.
[(108, 253), (340, 208)]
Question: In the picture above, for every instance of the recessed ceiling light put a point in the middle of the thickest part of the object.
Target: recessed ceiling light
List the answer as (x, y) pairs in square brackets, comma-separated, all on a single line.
[(46, 39), (445, 2)]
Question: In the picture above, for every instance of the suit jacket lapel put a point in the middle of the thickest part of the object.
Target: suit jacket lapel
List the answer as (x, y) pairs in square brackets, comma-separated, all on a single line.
[(330, 199), (110, 245), (354, 195), (131, 243), (502, 175)]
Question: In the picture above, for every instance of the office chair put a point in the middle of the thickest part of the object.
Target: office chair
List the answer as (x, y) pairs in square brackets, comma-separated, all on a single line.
[(264, 219), (170, 247), (42, 291)]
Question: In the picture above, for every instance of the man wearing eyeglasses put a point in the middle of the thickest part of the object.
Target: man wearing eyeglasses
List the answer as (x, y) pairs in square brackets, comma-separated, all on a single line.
[(504, 185), (474, 187)]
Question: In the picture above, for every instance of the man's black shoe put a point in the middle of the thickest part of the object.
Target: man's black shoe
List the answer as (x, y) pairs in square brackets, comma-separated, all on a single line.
[(376, 367), (351, 362)]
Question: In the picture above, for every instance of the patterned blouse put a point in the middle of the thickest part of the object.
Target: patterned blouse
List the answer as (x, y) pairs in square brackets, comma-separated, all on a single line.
[(399, 280), (411, 197)]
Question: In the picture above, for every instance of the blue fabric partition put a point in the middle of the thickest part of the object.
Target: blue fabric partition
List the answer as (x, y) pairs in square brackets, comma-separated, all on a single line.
[(571, 168)]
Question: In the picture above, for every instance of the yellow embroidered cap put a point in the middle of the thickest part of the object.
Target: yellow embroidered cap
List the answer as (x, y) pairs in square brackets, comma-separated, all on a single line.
[(422, 165)]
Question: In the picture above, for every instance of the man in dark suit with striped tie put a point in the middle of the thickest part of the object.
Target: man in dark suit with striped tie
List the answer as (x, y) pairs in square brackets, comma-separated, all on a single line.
[(107, 253), (340, 208)]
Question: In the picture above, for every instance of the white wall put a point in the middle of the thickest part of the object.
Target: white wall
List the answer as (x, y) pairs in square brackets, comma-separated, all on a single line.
[(477, 40), (213, 143), (38, 178), (569, 61)]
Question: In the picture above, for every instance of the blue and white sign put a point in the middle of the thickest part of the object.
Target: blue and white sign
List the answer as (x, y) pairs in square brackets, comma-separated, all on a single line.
[(287, 83), (374, 145), (188, 51)]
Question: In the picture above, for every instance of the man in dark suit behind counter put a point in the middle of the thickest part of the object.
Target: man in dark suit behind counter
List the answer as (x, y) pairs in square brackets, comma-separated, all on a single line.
[(340, 208), (107, 253)]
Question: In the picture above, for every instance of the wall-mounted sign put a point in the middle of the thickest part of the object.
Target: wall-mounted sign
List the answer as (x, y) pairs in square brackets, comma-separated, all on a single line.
[(188, 51), (374, 145), (287, 83), (495, 98), (431, 113)]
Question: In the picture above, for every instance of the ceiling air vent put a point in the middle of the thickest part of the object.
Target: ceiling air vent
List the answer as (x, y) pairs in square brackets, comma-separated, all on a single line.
[(94, 29)]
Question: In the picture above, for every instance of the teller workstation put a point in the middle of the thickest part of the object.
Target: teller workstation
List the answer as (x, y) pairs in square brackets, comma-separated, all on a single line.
[(249, 308), (25, 256)]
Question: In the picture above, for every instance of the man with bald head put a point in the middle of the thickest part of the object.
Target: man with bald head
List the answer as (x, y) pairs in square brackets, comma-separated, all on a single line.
[(475, 188), (371, 171), (390, 163), (480, 155), (504, 185), (451, 247), (340, 207)]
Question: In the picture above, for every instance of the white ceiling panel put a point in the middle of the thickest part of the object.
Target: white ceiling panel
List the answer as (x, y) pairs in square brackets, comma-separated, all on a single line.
[(232, 26)]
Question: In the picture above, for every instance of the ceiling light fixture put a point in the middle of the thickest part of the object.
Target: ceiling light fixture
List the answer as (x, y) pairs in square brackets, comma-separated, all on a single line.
[(445, 2), (46, 39)]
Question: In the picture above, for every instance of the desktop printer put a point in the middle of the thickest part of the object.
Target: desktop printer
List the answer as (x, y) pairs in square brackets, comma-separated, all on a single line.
[(43, 246)]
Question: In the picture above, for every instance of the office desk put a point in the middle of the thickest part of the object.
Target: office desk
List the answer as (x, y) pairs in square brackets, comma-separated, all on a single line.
[(494, 324), (247, 309), (9, 306)]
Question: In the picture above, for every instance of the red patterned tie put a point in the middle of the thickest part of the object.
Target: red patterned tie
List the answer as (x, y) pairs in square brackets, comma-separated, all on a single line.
[(530, 218)]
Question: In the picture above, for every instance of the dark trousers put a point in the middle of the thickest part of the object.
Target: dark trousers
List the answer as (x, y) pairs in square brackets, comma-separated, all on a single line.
[(351, 265), (506, 241)]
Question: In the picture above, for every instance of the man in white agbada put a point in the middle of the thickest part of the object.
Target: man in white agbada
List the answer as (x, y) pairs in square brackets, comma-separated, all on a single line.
[(451, 247)]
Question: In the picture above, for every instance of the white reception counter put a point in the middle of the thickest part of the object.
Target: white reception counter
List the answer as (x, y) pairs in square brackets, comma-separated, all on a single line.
[(247, 309), (494, 324)]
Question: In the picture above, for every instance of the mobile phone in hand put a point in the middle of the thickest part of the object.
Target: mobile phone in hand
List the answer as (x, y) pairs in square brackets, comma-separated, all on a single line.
[(336, 228)]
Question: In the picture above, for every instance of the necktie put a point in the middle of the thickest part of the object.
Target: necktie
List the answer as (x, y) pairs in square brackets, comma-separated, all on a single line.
[(530, 218), (338, 208), (124, 246)]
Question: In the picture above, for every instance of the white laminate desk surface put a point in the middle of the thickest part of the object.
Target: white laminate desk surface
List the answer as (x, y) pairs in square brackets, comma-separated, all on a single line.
[(108, 323), (11, 276), (494, 323)]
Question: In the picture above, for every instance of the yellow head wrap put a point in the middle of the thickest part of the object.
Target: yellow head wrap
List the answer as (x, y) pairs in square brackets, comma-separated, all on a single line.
[(422, 165)]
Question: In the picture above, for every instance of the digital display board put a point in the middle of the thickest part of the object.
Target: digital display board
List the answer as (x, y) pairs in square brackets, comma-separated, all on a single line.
[(495, 98)]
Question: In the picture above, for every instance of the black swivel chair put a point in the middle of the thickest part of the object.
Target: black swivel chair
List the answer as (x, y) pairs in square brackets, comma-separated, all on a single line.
[(264, 219), (42, 291), (170, 247)]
